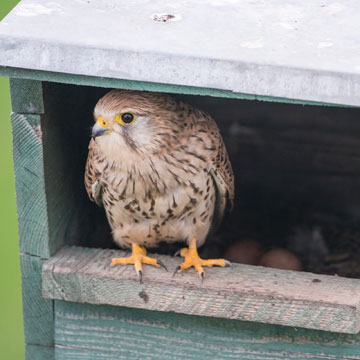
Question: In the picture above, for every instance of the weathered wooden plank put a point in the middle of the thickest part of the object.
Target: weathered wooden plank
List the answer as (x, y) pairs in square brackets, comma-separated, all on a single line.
[(37, 311), (106, 332), (39, 352), (30, 186), (32, 216), (26, 96), (144, 85), (241, 292)]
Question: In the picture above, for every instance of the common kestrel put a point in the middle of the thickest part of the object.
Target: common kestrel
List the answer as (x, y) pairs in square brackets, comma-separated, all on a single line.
[(161, 170)]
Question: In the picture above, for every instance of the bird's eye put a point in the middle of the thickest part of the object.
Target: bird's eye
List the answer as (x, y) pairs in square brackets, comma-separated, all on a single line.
[(127, 118)]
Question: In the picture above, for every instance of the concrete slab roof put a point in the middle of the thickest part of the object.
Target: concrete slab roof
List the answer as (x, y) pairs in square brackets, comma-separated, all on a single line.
[(307, 50)]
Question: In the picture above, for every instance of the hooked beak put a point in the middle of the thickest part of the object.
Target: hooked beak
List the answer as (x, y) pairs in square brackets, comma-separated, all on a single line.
[(100, 128)]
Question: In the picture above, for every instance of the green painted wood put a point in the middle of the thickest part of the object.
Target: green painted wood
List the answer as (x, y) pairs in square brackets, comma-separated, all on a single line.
[(38, 352), (85, 331), (32, 215), (30, 186), (26, 96), (140, 85), (241, 292), (37, 311)]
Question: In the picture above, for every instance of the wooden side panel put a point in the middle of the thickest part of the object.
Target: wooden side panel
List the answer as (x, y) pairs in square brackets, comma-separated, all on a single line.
[(37, 311), (105, 332), (30, 185), (241, 292), (26, 96), (32, 215)]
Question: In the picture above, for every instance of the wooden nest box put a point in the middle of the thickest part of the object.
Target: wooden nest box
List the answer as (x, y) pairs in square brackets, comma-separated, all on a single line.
[(282, 80)]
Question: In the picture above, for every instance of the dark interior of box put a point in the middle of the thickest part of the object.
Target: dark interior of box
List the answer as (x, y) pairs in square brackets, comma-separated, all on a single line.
[(297, 171)]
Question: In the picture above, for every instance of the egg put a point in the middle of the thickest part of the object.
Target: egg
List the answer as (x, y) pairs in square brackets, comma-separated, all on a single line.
[(281, 259), (245, 251)]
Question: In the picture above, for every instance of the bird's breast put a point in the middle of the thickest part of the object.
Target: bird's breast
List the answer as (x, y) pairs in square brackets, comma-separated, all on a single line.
[(154, 194), (157, 200)]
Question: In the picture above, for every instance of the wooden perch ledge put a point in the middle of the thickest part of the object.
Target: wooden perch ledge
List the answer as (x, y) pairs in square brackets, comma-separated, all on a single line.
[(241, 292)]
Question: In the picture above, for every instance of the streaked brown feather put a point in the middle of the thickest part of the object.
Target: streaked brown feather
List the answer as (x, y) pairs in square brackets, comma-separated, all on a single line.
[(92, 185), (220, 169)]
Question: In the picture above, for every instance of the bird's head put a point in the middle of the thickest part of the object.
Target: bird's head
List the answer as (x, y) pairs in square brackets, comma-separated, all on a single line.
[(137, 121)]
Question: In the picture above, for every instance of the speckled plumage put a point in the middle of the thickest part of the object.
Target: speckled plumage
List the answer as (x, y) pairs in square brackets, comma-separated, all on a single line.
[(165, 177)]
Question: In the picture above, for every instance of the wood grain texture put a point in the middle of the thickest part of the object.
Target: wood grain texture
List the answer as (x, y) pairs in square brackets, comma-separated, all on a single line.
[(241, 292), (30, 185), (37, 311), (32, 215), (26, 96), (86, 331), (141, 85)]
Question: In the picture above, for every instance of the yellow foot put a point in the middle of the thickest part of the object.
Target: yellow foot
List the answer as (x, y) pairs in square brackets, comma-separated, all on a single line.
[(137, 257), (192, 259)]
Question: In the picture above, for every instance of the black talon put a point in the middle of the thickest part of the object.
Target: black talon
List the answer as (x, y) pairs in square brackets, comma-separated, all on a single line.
[(176, 270), (202, 275), (227, 263), (140, 276), (177, 253), (161, 264)]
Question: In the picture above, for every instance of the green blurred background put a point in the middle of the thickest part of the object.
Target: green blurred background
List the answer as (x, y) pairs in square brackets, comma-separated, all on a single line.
[(11, 327)]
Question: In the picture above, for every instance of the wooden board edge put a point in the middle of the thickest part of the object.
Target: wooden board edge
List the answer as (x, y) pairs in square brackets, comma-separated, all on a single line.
[(101, 331), (85, 279), (145, 86)]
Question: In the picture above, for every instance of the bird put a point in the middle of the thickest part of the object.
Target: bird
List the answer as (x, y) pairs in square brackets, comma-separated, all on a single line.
[(160, 169)]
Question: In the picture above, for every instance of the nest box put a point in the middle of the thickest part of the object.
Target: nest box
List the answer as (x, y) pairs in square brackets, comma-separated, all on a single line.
[(282, 80)]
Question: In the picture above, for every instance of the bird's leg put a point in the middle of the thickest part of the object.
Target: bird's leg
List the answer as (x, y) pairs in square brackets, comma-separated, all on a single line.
[(192, 259), (138, 257)]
